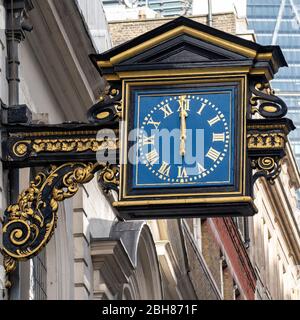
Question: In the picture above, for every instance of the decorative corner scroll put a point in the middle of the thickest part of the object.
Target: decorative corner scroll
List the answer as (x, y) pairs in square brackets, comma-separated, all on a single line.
[(109, 178), (265, 102), (109, 107), (29, 224), (268, 167)]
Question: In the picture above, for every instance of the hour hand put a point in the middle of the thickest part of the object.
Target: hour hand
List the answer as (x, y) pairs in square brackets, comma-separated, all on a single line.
[(183, 115)]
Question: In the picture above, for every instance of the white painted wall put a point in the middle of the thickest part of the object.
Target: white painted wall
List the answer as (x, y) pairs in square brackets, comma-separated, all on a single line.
[(35, 90), (93, 12)]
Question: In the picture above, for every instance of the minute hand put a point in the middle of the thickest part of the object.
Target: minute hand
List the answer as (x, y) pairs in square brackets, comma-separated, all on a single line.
[(183, 115)]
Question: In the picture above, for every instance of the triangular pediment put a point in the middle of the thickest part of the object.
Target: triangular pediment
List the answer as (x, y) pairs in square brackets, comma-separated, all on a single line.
[(183, 49)]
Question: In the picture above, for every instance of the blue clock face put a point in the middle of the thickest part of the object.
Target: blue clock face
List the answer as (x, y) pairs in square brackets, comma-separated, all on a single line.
[(184, 138)]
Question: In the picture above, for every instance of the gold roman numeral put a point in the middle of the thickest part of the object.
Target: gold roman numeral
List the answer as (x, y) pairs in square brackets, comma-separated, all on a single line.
[(167, 110), (213, 154), (202, 106), (219, 137), (155, 123), (165, 169), (152, 157), (182, 172), (214, 120), (184, 103), (148, 140)]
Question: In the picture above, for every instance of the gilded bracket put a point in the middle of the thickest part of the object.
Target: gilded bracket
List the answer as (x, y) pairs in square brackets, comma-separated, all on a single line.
[(267, 135), (268, 167), (29, 224), (264, 101), (35, 145), (109, 106)]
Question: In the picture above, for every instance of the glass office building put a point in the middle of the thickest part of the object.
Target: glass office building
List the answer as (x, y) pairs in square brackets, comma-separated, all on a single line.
[(168, 8), (277, 22), (165, 8)]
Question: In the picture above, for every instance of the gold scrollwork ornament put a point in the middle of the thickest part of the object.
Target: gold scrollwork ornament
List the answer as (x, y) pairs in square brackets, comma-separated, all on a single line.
[(268, 167), (29, 224)]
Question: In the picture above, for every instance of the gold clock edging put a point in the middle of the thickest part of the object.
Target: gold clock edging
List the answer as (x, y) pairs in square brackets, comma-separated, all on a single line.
[(243, 98), (193, 72), (184, 201)]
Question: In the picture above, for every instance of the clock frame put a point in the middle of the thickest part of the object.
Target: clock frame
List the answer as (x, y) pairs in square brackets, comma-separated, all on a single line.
[(160, 198), (188, 54)]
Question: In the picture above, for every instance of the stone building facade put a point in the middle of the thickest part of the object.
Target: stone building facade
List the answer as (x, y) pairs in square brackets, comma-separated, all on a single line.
[(93, 254)]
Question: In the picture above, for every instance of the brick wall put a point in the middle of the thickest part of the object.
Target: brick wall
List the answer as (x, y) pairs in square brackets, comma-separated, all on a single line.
[(227, 285), (122, 31), (202, 282), (237, 257), (211, 252)]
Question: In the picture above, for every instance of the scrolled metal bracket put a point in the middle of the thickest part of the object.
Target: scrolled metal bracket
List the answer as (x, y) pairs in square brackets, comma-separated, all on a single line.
[(29, 224), (109, 178), (265, 102), (267, 134), (268, 167), (109, 107)]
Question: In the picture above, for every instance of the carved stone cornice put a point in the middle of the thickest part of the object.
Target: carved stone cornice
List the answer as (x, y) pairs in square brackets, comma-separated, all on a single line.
[(111, 259)]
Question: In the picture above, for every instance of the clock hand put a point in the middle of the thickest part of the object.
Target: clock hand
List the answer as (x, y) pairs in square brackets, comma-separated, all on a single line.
[(183, 115)]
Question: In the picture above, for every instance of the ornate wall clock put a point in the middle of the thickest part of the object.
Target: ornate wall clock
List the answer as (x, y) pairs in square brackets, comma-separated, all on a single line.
[(188, 93), (179, 136), (184, 144)]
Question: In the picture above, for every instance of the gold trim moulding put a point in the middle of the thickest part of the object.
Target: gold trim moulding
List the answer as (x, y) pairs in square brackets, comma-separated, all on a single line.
[(104, 64), (188, 72), (261, 72), (266, 140), (266, 57), (20, 148), (183, 201), (41, 134), (178, 72)]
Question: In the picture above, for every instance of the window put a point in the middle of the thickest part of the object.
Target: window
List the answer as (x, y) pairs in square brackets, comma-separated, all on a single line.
[(38, 277), (262, 26), (289, 40), (240, 223), (263, 11), (292, 55)]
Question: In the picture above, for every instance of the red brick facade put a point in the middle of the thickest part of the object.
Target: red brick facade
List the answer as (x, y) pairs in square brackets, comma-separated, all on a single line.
[(236, 255)]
